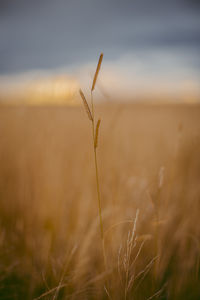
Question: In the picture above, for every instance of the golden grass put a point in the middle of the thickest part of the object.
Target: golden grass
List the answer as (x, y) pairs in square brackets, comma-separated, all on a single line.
[(97, 71), (95, 141), (97, 133), (49, 224), (87, 109)]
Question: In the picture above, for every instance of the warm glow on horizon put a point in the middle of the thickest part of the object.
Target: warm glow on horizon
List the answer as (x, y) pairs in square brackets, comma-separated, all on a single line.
[(115, 83), (54, 90), (58, 90)]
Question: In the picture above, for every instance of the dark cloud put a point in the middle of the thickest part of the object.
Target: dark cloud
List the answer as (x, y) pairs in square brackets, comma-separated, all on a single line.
[(50, 34)]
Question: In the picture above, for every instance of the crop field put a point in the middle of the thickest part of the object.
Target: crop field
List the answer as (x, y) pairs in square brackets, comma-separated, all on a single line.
[(149, 180), (99, 150)]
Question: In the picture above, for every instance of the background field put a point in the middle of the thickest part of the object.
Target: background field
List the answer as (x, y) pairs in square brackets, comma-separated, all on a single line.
[(149, 166)]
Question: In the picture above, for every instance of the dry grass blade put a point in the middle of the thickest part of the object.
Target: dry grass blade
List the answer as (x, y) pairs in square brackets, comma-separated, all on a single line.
[(97, 71), (86, 105), (97, 133)]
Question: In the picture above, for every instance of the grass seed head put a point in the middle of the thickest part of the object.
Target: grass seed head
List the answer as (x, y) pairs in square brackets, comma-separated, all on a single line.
[(97, 71), (97, 133), (86, 105)]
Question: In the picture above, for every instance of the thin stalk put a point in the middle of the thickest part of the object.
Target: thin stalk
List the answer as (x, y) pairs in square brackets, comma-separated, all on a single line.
[(95, 130), (97, 179), (157, 242)]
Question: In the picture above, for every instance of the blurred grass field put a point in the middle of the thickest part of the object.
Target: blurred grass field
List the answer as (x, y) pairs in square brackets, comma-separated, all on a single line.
[(149, 163)]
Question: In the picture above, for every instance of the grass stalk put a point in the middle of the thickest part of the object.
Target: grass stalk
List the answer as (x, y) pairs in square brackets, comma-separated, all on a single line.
[(96, 169), (95, 130)]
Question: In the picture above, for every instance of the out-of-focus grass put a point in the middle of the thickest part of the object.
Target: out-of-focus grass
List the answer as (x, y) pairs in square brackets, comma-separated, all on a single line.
[(49, 235)]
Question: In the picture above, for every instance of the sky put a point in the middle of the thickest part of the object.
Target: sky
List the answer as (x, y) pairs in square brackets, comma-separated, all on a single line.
[(147, 44)]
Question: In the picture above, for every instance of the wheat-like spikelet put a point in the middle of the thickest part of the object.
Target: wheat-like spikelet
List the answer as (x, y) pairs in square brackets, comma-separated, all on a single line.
[(86, 105), (97, 133), (97, 71)]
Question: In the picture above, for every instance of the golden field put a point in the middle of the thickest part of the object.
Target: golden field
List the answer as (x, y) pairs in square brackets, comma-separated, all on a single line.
[(149, 172)]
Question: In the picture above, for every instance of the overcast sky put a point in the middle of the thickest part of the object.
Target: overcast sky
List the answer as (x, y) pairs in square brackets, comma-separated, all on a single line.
[(49, 34), (156, 35)]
